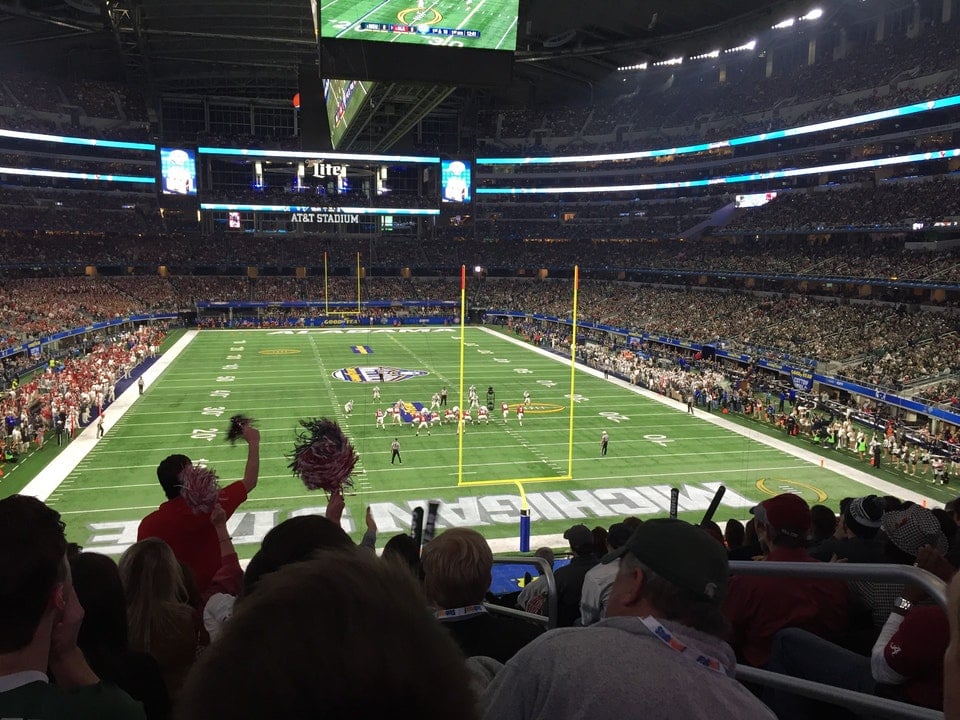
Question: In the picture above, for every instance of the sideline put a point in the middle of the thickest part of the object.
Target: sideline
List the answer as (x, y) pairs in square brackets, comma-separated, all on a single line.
[(48, 480), (881, 486)]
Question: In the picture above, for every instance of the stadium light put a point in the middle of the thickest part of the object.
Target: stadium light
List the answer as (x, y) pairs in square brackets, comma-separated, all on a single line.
[(740, 48), (783, 24), (814, 14), (640, 66), (711, 54), (671, 61)]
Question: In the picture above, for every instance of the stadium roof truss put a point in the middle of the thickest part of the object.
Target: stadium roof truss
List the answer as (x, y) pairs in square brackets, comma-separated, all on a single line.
[(253, 48)]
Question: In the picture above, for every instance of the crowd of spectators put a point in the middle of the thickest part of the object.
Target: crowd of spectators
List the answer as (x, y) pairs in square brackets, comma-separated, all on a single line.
[(504, 229), (888, 206), (775, 327), (690, 97), (39, 307), (176, 627), (892, 346), (818, 255), (68, 391)]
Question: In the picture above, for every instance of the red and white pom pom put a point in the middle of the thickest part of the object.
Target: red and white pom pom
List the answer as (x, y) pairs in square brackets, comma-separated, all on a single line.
[(199, 489), (323, 458)]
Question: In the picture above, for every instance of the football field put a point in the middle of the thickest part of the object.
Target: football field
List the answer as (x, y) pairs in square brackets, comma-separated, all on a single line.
[(279, 377), (478, 24)]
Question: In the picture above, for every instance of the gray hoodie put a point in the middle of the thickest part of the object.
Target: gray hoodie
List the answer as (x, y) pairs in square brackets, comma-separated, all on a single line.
[(618, 669)]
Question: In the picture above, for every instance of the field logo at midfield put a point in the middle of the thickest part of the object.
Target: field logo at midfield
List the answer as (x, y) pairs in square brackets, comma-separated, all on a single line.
[(281, 351), (371, 374), (419, 17)]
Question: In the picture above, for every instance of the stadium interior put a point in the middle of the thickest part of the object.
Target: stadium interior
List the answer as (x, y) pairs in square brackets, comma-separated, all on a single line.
[(761, 200)]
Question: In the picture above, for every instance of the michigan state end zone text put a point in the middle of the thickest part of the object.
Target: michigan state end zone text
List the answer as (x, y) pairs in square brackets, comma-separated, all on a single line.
[(249, 527)]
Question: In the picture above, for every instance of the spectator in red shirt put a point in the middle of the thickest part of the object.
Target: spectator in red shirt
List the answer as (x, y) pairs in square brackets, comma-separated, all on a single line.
[(192, 537), (907, 661), (759, 606)]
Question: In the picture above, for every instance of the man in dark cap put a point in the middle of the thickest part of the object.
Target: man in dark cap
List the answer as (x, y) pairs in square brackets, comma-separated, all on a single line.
[(758, 606), (570, 577), (856, 537), (662, 635)]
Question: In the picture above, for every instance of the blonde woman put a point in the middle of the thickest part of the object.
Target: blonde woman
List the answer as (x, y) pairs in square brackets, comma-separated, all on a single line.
[(160, 620)]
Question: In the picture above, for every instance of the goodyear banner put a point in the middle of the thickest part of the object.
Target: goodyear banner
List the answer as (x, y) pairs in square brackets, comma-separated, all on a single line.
[(801, 379)]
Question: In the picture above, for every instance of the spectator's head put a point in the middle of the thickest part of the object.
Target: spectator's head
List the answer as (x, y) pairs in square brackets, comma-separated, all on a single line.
[(733, 534), (404, 550), (546, 553), (580, 539), (617, 536), (862, 516), (599, 540), (674, 571), (823, 522), (457, 568), (713, 530), (150, 568), (953, 507), (152, 584), (783, 521), (342, 636), (947, 526), (35, 584), (291, 541), (168, 472), (100, 591), (891, 503), (908, 530)]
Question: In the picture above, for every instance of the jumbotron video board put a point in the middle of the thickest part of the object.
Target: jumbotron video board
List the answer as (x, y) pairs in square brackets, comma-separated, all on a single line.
[(477, 24), (343, 100), (464, 42), (277, 191)]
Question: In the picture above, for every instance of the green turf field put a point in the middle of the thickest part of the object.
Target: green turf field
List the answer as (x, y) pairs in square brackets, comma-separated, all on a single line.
[(495, 20), (279, 377)]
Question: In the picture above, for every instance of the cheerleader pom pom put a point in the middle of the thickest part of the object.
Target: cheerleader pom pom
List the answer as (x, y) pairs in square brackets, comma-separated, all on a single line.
[(199, 489), (323, 457), (237, 424)]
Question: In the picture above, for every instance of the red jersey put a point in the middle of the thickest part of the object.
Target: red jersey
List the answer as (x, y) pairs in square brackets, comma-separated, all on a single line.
[(191, 537)]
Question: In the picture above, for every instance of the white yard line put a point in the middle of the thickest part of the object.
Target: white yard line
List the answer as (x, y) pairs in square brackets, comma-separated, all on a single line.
[(51, 477)]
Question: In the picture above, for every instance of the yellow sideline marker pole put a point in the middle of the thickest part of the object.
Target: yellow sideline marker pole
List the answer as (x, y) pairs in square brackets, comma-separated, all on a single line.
[(573, 367), (463, 339), (358, 282)]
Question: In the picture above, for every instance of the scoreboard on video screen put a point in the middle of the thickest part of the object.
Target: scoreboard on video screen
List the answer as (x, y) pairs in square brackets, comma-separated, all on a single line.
[(477, 24)]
